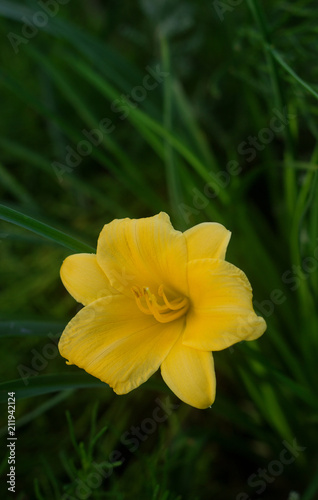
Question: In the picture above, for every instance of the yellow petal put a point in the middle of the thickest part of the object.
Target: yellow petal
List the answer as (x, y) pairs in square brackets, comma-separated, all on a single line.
[(144, 252), (208, 240), (190, 375), (221, 311), (115, 342), (84, 279)]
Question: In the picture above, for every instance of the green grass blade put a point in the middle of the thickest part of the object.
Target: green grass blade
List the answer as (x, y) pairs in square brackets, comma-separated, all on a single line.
[(137, 116), (292, 73), (26, 328), (279, 95), (133, 176), (173, 183), (18, 218), (37, 161), (14, 187), (123, 175), (44, 384), (311, 491), (194, 133)]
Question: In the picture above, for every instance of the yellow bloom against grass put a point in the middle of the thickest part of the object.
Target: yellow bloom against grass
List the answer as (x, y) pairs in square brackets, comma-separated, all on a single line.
[(156, 297)]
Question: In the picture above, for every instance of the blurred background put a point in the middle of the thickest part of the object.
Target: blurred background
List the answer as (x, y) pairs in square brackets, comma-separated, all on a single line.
[(206, 110)]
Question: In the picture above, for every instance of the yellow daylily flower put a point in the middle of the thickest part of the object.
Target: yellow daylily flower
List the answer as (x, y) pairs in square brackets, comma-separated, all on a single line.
[(156, 297)]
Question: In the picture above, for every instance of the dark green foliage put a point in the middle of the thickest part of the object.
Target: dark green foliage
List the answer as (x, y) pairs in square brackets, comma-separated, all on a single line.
[(206, 110)]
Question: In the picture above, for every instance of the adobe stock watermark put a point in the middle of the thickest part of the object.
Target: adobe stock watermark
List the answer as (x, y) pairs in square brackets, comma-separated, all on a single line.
[(248, 149), (40, 359), (33, 24), (266, 135), (11, 444), (132, 439), (211, 190), (222, 7), (121, 106), (75, 156), (292, 278), (260, 479)]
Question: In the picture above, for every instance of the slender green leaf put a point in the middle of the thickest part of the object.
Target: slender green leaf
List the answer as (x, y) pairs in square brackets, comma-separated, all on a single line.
[(26, 328), (279, 95), (291, 72), (137, 117), (22, 220), (173, 182), (37, 161), (312, 490), (44, 384)]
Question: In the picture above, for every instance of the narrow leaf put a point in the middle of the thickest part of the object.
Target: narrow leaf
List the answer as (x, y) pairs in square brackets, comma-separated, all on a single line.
[(18, 218)]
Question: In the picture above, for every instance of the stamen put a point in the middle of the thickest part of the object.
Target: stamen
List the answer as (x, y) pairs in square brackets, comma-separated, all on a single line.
[(170, 310), (174, 304), (139, 304), (152, 302)]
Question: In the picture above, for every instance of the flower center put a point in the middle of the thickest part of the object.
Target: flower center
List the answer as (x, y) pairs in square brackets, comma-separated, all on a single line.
[(163, 309)]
